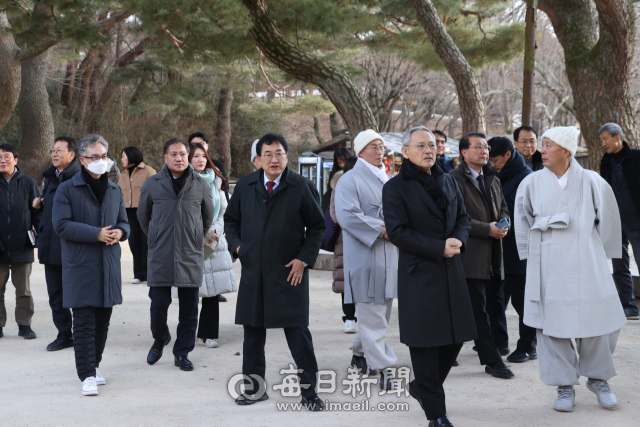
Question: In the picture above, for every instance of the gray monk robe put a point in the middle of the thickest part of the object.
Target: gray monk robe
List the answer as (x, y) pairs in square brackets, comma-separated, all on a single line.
[(567, 235), (370, 261)]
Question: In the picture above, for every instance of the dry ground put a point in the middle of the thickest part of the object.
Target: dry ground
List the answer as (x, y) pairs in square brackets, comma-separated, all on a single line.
[(38, 388)]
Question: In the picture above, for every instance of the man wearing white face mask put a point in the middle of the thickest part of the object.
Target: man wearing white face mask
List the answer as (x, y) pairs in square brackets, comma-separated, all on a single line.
[(90, 218)]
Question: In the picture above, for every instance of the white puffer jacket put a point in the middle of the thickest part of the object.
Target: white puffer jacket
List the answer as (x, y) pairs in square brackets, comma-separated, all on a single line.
[(218, 275)]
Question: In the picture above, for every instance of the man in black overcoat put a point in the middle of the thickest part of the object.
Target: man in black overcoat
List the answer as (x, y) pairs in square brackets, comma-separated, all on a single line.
[(426, 219), (265, 226)]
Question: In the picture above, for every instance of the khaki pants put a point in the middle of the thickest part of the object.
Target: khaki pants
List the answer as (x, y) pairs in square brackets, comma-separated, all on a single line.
[(24, 301)]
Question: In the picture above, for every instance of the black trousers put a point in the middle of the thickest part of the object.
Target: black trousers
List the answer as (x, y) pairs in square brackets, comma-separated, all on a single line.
[(301, 347), (187, 317), (487, 350), (514, 288), (621, 273), (138, 245), (431, 365), (90, 328), (209, 318), (496, 307), (61, 316), (349, 310)]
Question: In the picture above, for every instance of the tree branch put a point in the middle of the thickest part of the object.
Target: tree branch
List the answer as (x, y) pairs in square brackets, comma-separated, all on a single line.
[(54, 39)]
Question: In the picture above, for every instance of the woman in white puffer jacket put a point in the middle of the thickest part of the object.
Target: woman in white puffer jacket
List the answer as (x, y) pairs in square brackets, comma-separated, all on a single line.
[(218, 275)]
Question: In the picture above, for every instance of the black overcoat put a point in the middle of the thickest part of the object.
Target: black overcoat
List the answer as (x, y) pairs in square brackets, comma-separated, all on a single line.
[(271, 232), (17, 217), (630, 171), (49, 251), (434, 308), (91, 275)]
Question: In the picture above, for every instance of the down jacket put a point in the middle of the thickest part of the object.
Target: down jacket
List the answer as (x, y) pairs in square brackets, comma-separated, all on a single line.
[(218, 276), (338, 265)]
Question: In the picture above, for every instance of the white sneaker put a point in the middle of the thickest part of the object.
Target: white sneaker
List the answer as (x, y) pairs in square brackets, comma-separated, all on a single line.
[(208, 342), (99, 378), (136, 281), (89, 387), (606, 398), (566, 400), (350, 327)]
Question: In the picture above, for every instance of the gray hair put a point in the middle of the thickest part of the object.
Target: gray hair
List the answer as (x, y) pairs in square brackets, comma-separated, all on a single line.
[(613, 130), (88, 141), (407, 136)]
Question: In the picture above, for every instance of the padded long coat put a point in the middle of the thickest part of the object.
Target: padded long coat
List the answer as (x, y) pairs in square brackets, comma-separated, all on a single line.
[(434, 308), (175, 227), (271, 232), (91, 275)]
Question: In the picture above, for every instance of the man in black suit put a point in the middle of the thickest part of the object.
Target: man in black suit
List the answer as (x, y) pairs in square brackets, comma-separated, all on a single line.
[(426, 219), (274, 224)]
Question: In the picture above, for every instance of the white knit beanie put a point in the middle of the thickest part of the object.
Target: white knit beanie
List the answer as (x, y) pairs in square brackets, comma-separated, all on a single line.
[(254, 152), (564, 136), (364, 138)]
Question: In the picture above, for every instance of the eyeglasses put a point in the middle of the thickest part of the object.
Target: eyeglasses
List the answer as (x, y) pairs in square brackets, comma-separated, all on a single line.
[(7, 157), (279, 155), (57, 152), (96, 157), (482, 148), (425, 147), (376, 148)]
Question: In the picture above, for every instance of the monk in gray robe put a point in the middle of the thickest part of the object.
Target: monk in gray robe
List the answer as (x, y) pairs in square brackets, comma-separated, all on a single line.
[(567, 224), (370, 259)]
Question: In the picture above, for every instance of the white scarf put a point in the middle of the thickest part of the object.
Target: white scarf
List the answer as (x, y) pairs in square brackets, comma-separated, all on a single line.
[(379, 172)]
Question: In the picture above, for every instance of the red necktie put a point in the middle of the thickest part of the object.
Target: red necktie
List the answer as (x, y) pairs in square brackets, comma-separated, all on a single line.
[(270, 185)]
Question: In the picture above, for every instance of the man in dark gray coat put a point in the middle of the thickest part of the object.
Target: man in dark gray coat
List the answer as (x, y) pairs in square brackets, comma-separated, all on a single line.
[(175, 212), (90, 218), (274, 224), (17, 217)]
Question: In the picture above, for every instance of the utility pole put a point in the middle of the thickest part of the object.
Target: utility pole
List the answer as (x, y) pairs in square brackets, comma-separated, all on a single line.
[(529, 62)]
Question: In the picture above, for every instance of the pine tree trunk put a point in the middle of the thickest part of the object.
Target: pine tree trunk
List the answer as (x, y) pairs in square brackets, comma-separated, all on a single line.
[(310, 68), (467, 87), (110, 87), (598, 49), (86, 69), (36, 120), (223, 128), (66, 97), (9, 72)]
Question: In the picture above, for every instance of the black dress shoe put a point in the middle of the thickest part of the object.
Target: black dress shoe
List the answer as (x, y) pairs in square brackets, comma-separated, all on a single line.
[(441, 422), (504, 351), (313, 403), (184, 363), (361, 363), (518, 356), (413, 392), (63, 341), (385, 383), (499, 370), (455, 363), (222, 298), (156, 350), (26, 332), (250, 399)]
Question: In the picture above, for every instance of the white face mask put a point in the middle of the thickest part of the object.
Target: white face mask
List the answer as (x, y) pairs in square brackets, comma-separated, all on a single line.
[(99, 166)]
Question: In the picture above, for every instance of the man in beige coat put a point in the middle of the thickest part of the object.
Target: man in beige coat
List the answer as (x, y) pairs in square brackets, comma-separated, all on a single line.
[(567, 224)]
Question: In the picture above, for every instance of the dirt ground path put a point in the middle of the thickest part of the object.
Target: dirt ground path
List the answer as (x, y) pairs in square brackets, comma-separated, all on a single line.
[(38, 388)]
